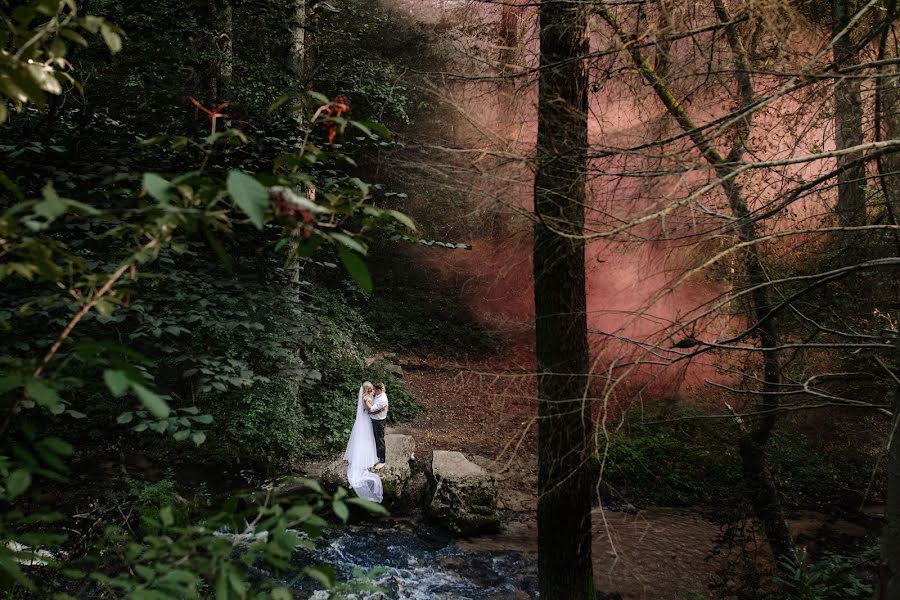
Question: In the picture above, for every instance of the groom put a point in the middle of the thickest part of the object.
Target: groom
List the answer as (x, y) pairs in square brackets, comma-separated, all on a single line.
[(378, 413)]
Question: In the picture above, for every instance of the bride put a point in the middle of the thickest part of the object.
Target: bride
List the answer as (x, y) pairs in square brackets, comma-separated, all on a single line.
[(361, 453)]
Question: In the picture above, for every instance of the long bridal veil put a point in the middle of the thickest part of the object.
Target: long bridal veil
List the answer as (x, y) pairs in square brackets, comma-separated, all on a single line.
[(361, 455)]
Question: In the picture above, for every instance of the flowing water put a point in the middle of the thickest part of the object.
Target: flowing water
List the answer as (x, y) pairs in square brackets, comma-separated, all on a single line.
[(416, 562)]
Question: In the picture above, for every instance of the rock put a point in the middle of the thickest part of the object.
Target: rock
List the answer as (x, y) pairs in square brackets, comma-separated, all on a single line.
[(395, 369), (400, 450), (610, 498), (464, 496), (395, 475)]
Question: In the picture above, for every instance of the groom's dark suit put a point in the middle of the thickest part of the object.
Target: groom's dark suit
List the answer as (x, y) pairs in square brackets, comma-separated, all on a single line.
[(378, 419)]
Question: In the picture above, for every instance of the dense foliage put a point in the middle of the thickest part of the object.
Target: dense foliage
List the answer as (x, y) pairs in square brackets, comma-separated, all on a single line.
[(181, 243)]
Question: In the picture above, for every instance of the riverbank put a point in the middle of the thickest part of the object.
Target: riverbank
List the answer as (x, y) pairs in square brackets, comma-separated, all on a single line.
[(485, 409)]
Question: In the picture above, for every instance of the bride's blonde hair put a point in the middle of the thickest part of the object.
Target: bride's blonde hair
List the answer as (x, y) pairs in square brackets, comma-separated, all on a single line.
[(367, 386)]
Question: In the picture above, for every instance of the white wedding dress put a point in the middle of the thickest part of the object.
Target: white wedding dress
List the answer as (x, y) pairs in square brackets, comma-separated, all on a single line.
[(361, 455)]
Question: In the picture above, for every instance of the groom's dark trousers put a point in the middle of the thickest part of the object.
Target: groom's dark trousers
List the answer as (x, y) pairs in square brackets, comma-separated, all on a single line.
[(378, 428)]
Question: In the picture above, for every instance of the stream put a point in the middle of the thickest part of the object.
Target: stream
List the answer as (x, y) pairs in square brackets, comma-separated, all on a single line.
[(412, 561)]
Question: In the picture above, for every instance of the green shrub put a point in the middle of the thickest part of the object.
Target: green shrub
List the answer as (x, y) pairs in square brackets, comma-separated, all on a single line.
[(338, 351), (687, 459), (690, 462), (150, 498), (830, 577)]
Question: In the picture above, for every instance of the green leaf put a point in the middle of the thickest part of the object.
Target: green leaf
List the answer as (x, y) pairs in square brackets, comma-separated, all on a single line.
[(341, 510), (278, 102), (311, 484), (282, 593), (124, 418), (349, 242), (42, 394), (237, 583), (205, 419), (218, 248), (17, 482), (250, 195), (151, 401), (319, 97), (198, 437), (166, 516), (116, 381), (61, 447), (111, 37), (5, 181), (159, 188), (71, 34), (9, 382), (363, 128), (145, 572), (357, 269), (372, 507), (403, 219), (374, 127), (44, 77), (104, 308), (51, 206), (323, 574), (222, 583)]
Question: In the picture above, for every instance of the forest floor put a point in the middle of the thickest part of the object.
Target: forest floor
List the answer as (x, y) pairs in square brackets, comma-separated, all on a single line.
[(487, 411), (484, 408)]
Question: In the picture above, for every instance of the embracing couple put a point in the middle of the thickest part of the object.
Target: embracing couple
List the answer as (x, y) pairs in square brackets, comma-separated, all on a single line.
[(365, 451)]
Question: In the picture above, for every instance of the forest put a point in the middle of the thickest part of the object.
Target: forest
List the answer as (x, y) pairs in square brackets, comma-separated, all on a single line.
[(626, 269)]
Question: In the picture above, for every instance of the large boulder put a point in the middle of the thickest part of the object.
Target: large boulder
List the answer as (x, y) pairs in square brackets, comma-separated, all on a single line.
[(395, 475), (464, 497)]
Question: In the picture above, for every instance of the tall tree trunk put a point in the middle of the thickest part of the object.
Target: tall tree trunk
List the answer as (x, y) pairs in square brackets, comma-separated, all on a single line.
[(887, 116), (761, 488), (299, 53), (509, 38), (221, 77), (890, 536), (564, 511), (851, 202), (887, 126)]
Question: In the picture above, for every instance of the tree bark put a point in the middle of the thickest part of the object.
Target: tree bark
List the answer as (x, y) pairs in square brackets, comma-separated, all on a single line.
[(887, 120), (564, 511), (851, 202), (221, 79), (890, 535), (509, 38), (299, 54)]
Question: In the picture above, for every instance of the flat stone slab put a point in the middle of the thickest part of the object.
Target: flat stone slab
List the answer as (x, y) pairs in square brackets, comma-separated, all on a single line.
[(455, 465), (464, 497)]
